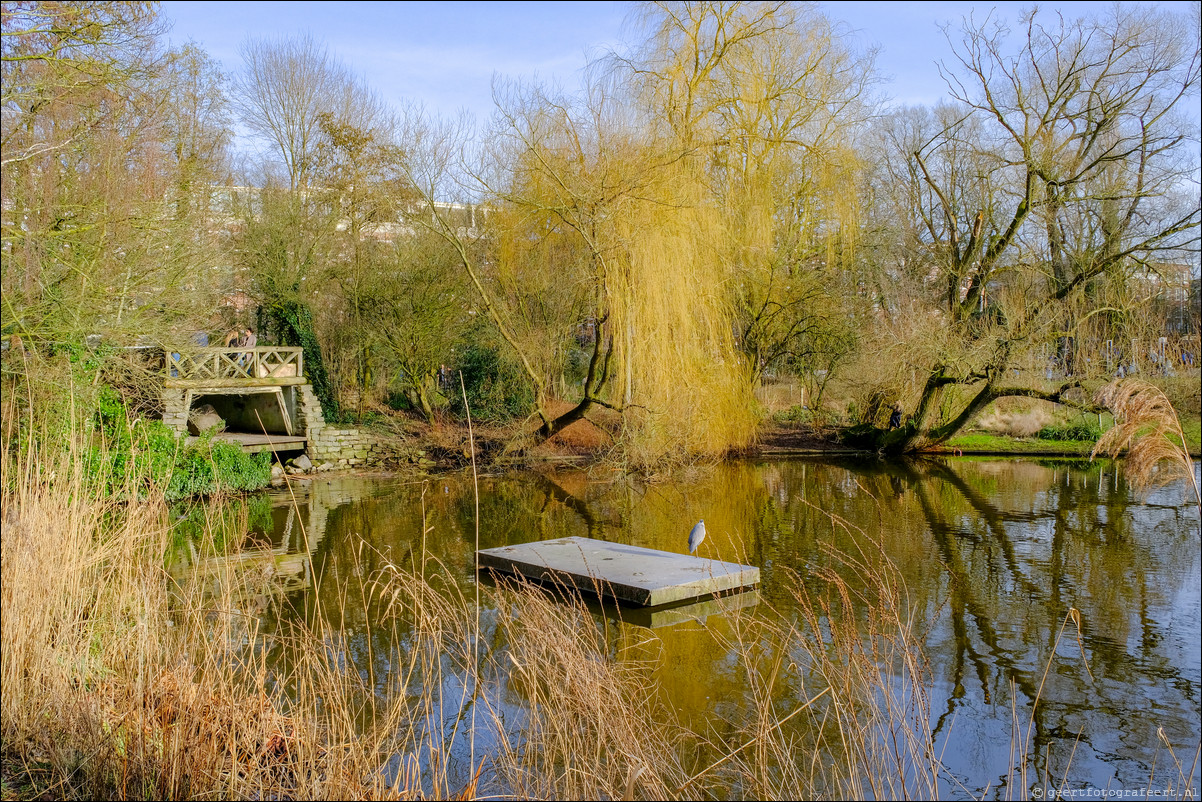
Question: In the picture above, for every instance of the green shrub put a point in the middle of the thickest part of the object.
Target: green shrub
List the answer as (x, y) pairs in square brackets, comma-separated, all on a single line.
[(150, 454), (294, 323), (576, 362), (797, 414), (206, 468), (397, 400), (1080, 431), (496, 388)]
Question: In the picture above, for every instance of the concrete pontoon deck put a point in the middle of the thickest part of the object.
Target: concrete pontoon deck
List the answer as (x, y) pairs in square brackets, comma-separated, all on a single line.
[(646, 577)]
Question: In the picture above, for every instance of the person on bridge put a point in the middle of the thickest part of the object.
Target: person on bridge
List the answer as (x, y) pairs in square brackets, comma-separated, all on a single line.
[(248, 340)]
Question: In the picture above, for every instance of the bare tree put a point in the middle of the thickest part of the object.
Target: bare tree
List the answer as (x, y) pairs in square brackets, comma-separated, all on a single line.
[(89, 246), (324, 130), (55, 54), (357, 167), (283, 92), (1065, 160), (197, 123)]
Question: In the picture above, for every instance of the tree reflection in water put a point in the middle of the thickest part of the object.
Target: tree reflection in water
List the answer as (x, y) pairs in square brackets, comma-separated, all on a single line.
[(993, 555)]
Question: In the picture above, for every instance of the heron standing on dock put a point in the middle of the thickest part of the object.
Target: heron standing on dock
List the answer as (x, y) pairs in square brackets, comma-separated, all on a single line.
[(696, 536)]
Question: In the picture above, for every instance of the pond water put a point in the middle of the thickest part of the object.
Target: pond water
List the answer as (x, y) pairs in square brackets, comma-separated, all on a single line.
[(992, 555)]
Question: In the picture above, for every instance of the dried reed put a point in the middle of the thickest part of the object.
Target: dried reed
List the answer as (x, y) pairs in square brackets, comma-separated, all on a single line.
[(1147, 428), (124, 681), (860, 726), (121, 681)]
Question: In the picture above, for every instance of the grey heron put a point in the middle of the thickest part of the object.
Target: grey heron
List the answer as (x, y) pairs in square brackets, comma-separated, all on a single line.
[(696, 536)]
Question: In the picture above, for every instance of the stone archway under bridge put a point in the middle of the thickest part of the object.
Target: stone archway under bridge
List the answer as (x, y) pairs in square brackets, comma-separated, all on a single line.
[(254, 393), (263, 399)]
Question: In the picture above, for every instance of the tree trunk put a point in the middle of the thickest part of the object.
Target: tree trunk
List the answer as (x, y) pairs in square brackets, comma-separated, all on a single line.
[(917, 435)]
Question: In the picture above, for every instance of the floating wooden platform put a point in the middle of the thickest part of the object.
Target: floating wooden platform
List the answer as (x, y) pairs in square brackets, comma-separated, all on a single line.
[(646, 577)]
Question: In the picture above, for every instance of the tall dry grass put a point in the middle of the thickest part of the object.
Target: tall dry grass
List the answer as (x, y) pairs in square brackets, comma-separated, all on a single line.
[(1010, 418), (1147, 428), (850, 659), (594, 727), (121, 681)]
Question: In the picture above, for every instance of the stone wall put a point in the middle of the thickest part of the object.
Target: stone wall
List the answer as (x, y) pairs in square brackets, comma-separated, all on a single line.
[(309, 419), (175, 409), (344, 446)]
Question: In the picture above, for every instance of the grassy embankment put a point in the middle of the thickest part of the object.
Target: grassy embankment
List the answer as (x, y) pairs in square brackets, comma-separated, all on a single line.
[(989, 443), (1011, 426)]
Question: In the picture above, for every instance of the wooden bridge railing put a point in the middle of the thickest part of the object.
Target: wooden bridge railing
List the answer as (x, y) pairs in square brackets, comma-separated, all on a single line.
[(226, 365)]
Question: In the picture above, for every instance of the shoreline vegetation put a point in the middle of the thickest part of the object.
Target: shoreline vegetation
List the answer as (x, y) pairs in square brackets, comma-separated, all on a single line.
[(122, 683), (443, 447)]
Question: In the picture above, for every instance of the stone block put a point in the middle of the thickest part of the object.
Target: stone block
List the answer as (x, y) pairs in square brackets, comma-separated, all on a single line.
[(204, 418)]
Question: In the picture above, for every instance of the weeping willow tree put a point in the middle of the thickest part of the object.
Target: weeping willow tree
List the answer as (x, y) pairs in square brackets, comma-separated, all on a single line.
[(683, 379), (764, 101), (671, 195), (637, 250), (599, 237)]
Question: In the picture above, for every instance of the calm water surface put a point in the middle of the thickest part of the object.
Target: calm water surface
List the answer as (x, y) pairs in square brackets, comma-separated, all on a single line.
[(993, 554)]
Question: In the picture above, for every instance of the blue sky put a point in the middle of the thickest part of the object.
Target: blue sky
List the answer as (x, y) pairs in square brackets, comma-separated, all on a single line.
[(444, 54)]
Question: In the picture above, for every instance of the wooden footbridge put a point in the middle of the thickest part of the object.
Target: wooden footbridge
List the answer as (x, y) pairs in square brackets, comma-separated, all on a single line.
[(254, 390)]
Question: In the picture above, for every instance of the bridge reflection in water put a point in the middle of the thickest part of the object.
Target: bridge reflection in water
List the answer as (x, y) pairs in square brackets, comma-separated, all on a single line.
[(262, 563)]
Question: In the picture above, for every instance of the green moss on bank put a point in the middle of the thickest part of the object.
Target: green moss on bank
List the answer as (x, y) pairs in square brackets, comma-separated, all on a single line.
[(983, 443)]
